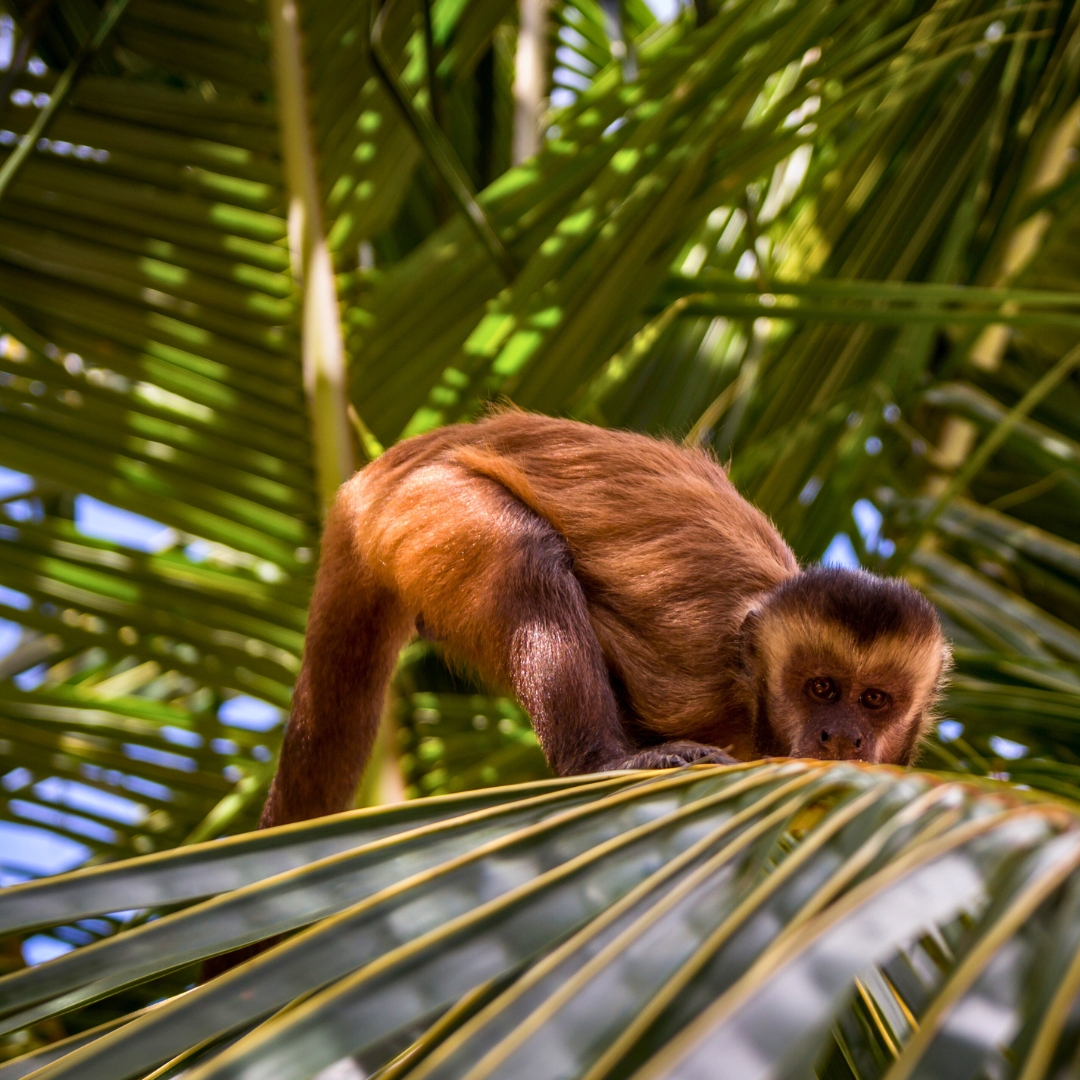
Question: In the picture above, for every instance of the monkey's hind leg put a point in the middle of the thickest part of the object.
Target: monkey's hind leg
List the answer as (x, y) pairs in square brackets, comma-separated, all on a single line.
[(356, 628)]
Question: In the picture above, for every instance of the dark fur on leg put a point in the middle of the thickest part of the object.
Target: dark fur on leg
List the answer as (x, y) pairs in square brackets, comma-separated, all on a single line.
[(355, 631)]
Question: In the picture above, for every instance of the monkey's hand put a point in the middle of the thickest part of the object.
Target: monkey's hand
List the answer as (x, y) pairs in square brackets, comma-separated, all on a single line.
[(673, 755)]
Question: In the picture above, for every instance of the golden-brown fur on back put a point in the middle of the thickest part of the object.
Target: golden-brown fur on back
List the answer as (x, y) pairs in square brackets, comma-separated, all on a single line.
[(666, 550)]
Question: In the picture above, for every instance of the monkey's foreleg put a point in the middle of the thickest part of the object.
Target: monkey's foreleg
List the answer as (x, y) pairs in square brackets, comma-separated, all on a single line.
[(674, 754), (559, 674), (558, 670), (554, 661)]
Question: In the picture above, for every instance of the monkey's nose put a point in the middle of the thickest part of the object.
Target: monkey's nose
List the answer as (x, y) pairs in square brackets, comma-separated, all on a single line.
[(836, 745)]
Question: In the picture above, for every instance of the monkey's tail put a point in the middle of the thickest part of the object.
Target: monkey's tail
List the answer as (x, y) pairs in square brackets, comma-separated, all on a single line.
[(356, 628), (497, 467)]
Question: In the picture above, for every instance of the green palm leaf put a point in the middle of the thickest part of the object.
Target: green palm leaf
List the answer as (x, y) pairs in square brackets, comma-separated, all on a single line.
[(747, 921)]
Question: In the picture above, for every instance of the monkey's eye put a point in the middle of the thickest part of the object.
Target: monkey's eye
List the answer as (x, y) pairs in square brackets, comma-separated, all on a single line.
[(823, 688), (874, 699)]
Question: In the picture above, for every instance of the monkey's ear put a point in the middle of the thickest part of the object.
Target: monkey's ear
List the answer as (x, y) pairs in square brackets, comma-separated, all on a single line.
[(911, 749), (946, 659), (749, 650), (916, 736)]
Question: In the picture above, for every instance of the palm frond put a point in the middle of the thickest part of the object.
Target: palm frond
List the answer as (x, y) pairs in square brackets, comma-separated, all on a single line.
[(752, 921)]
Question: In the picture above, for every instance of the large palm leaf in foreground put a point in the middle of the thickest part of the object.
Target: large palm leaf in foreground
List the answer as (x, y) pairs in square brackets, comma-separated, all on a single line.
[(778, 919)]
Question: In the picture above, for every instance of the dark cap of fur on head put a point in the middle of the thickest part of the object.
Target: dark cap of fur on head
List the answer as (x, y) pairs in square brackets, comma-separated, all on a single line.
[(867, 606)]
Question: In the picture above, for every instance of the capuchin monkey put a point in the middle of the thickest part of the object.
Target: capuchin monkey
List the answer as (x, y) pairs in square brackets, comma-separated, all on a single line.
[(645, 615)]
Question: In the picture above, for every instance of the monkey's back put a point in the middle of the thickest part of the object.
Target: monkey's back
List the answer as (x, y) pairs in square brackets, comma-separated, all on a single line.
[(668, 553)]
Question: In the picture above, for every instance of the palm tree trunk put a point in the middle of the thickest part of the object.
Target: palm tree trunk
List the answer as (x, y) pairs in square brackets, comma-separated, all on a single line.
[(530, 81), (323, 348)]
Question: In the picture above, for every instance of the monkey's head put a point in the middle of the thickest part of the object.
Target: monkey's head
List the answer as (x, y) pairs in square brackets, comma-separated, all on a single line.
[(844, 664)]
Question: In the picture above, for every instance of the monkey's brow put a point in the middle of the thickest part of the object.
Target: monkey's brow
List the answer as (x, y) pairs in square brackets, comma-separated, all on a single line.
[(852, 668)]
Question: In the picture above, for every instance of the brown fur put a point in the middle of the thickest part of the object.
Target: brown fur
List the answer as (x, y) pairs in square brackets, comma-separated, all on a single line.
[(606, 578)]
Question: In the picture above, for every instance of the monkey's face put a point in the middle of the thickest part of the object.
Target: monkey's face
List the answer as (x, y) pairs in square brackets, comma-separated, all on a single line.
[(846, 665), (862, 704)]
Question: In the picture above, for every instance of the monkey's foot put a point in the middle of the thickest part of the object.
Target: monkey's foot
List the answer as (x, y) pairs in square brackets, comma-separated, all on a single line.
[(674, 755)]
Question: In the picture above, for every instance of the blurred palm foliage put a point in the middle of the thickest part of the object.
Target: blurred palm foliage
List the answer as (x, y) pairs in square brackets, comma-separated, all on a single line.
[(775, 920), (833, 241)]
